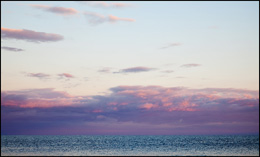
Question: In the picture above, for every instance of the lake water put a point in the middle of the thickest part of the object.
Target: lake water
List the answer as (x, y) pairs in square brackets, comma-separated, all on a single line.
[(227, 145)]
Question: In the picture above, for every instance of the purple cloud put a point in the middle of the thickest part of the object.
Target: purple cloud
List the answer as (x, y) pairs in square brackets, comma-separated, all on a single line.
[(176, 110), (29, 35), (135, 70), (11, 49), (190, 65), (39, 98), (57, 10)]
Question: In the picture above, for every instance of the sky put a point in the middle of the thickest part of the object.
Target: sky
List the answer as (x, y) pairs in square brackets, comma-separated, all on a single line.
[(129, 68)]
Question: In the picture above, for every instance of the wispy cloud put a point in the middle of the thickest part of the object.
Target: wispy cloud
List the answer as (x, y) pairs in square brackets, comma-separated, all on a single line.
[(95, 18), (104, 4), (190, 65), (57, 10), (11, 49), (112, 18), (162, 108), (168, 71), (38, 75), (135, 70), (66, 75), (105, 70), (29, 35), (171, 45)]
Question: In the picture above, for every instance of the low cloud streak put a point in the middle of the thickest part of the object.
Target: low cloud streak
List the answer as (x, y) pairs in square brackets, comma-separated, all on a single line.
[(29, 35), (57, 10), (135, 70), (11, 49), (95, 18), (190, 65), (171, 45), (38, 75)]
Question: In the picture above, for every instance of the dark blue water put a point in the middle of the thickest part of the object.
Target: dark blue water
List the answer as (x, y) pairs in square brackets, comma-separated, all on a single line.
[(130, 145)]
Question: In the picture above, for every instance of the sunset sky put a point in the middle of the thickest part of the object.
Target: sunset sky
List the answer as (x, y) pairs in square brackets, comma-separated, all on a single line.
[(129, 68)]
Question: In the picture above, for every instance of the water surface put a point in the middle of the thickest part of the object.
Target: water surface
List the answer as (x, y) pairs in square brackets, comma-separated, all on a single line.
[(227, 145)]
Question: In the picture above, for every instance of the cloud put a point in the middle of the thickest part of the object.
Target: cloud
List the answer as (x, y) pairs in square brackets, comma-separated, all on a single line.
[(11, 49), (112, 18), (167, 110), (29, 35), (171, 45), (105, 70), (168, 71), (95, 18), (135, 70), (190, 65), (38, 75), (44, 76), (103, 4), (66, 75), (36, 98), (148, 106), (57, 10)]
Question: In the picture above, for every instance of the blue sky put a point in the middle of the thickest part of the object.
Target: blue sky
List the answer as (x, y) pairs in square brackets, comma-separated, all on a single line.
[(88, 48)]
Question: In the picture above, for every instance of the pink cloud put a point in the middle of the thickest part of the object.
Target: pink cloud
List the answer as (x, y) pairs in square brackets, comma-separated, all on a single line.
[(113, 18), (95, 18), (36, 98), (174, 110), (29, 35), (148, 106), (57, 10), (66, 75)]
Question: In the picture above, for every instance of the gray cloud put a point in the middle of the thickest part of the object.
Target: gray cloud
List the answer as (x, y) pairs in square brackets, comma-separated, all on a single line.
[(135, 70), (11, 49), (38, 75)]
